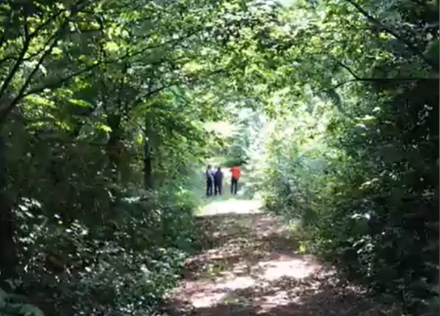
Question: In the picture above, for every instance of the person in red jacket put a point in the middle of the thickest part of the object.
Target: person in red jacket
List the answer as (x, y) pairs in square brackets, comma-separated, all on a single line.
[(236, 172)]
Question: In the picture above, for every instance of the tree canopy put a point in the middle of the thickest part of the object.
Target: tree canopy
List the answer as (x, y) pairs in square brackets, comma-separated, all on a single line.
[(104, 108)]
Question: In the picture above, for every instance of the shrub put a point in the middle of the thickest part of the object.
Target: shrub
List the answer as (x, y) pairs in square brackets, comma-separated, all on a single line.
[(126, 264)]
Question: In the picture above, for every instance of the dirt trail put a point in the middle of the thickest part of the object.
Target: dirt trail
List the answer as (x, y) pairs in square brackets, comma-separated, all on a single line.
[(250, 267)]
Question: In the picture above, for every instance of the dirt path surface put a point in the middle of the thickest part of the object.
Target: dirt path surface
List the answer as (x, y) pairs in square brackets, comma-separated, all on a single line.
[(250, 267)]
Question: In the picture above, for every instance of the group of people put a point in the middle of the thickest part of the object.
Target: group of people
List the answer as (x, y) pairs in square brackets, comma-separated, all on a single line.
[(214, 180)]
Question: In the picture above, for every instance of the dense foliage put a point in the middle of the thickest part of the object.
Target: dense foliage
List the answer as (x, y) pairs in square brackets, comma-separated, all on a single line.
[(104, 108), (356, 162), (102, 105)]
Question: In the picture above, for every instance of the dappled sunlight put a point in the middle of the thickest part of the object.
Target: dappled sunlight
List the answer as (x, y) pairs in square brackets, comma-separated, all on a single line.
[(284, 266), (231, 205), (204, 299), (222, 129), (243, 258), (235, 283), (251, 267)]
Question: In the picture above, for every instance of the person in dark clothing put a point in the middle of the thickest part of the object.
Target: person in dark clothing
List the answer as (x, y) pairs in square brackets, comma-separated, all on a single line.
[(209, 173), (218, 181)]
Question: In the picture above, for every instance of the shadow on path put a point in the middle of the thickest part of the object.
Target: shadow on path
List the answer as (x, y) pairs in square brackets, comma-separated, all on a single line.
[(250, 267)]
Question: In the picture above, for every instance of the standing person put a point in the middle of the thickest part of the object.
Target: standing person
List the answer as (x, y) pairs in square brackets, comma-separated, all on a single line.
[(209, 173), (236, 172), (218, 181)]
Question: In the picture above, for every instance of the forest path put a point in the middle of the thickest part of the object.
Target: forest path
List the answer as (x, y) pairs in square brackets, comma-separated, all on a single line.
[(250, 266)]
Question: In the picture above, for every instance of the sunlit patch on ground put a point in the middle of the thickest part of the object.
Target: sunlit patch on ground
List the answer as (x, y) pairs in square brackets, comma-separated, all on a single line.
[(251, 267), (284, 266), (231, 206)]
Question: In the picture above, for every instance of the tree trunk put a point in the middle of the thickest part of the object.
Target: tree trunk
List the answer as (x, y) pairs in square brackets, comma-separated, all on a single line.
[(8, 248), (148, 166), (113, 147), (148, 159)]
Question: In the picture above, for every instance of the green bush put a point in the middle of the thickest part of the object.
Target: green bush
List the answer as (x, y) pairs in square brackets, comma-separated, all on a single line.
[(125, 264), (230, 162), (370, 207), (12, 305)]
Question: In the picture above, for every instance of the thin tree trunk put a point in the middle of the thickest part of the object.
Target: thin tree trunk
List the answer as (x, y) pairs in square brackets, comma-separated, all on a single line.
[(8, 248), (113, 146), (148, 159)]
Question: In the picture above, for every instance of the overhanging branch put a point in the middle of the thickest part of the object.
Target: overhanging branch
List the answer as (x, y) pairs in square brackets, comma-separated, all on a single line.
[(433, 64), (381, 80)]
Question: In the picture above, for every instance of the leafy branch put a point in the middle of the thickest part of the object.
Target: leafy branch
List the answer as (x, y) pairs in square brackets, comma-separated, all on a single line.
[(433, 64)]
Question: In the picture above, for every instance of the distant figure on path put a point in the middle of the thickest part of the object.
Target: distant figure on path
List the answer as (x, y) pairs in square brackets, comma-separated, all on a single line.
[(218, 181), (236, 172), (209, 173)]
